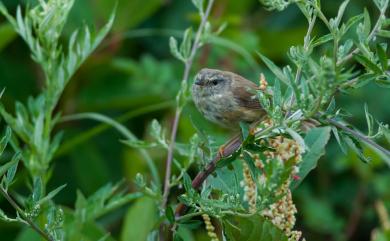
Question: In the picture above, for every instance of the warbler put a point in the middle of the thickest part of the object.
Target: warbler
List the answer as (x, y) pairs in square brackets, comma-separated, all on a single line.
[(226, 98)]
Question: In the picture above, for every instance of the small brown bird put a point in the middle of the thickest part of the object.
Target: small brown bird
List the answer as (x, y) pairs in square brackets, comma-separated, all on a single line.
[(226, 98)]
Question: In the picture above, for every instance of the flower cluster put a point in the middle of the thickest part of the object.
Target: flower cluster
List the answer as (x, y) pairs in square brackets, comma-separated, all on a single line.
[(209, 227), (282, 212)]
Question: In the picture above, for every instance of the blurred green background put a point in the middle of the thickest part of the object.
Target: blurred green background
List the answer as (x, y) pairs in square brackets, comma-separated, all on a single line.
[(134, 74)]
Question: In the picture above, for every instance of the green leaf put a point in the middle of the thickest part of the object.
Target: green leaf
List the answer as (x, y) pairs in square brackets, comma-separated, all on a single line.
[(252, 228), (383, 81), (384, 33), (140, 144), (382, 56), (352, 21), (198, 4), (51, 194), (277, 94), (275, 69), (9, 177), (140, 220), (186, 44), (37, 189), (6, 167), (316, 140), (5, 139), (340, 141), (341, 11), (323, 39), (173, 46), (368, 63), (366, 23), (170, 214), (244, 130), (356, 148), (187, 183)]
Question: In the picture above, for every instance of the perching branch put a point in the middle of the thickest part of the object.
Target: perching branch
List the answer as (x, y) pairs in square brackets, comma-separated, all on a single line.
[(228, 149)]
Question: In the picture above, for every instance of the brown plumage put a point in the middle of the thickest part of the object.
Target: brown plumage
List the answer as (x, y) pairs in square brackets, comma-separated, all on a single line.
[(226, 98)]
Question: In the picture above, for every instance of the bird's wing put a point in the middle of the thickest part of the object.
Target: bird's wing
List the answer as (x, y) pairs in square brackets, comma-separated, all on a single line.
[(244, 92)]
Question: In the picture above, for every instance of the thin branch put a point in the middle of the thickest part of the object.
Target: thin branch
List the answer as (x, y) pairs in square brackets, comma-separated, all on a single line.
[(359, 135), (23, 215), (188, 65)]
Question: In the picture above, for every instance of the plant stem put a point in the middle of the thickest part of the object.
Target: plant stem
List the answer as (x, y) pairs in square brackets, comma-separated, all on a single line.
[(228, 149), (358, 135), (85, 136), (23, 215), (369, 38), (188, 65)]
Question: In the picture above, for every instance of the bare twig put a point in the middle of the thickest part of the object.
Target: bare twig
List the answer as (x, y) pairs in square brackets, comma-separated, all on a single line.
[(186, 74), (23, 215)]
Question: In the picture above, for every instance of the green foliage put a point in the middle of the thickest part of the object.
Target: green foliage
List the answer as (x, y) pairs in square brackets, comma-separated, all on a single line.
[(315, 140), (251, 228), (53, 161), (140, 220)]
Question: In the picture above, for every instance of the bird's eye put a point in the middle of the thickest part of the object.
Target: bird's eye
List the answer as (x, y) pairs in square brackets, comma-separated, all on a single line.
[(216, 81)]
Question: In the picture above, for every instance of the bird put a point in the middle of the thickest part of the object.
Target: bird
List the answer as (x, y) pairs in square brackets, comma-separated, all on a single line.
[(226, 98)]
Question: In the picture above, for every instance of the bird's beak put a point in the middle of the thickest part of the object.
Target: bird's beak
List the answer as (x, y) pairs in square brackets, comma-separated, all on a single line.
[(198, 81)]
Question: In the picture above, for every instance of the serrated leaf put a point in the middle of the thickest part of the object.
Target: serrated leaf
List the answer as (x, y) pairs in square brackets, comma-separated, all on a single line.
[(316, 140), (252, 228), (275, 69)]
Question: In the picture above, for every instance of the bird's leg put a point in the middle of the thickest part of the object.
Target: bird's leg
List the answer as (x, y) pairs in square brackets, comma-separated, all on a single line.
[(231, 141)]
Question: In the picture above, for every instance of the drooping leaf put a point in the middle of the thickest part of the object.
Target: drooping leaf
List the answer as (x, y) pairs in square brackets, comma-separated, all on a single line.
[(316, 140)]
